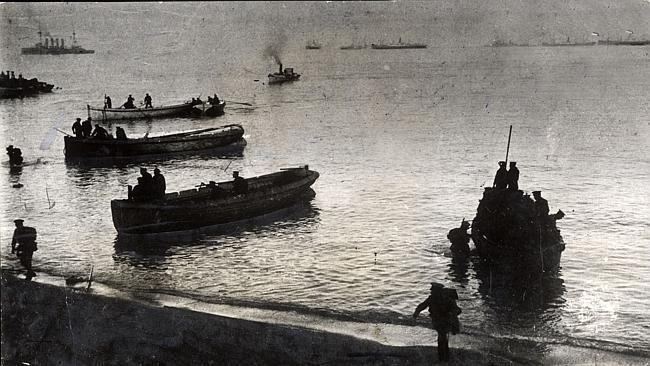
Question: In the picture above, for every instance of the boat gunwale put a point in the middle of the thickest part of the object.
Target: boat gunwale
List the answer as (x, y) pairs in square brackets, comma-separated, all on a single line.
[(141, 110)]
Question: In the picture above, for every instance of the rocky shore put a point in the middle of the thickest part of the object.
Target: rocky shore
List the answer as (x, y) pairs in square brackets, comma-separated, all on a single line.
[(44, 324)]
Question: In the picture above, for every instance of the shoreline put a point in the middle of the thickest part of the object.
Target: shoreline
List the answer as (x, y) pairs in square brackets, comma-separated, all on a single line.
[(44, 318)]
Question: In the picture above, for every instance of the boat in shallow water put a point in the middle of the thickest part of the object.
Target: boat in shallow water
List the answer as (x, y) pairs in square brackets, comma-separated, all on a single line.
[(112, 114), (205, 139), (507, 232), (213, 205)]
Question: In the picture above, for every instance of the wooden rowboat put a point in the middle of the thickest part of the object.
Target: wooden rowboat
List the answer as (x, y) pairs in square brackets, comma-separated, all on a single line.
[(112, 114), (205, 139), (214, 205)]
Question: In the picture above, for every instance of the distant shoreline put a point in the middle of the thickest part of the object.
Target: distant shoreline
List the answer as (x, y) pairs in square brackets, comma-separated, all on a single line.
[(581, 44)]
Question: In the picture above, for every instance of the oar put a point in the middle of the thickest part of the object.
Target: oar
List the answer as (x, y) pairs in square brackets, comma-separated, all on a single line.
[(63, 132), (189, 132), (232, 101)]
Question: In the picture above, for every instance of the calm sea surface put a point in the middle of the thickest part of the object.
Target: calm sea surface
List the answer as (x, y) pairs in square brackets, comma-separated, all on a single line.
[(404, 141)]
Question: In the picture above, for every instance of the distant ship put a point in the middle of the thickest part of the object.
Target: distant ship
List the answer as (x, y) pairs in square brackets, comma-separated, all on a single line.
[(353, 47), (55, 46), (398, 45), (313, 45)]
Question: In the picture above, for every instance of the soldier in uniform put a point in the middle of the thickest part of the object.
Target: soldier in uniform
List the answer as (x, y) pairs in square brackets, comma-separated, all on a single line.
[(159, 185), (24, 245), (501, 176), (512, 177), (147, 101), (15, 155), (541, 206), (240, 185), (87, 127), (444, 315), (108, 104), (459, 239), (100, 133), (77, 129)]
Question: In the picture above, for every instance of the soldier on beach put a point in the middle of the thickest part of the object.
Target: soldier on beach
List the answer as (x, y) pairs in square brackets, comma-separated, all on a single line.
[(444, 315), (24, 245), (500, 179)]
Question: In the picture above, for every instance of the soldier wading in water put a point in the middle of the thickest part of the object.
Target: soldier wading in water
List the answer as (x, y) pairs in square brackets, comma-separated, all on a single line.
[(24, 245), (444, 315)]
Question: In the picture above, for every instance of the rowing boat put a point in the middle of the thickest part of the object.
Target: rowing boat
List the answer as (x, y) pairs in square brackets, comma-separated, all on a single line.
[(205, 139), (214, 205), (111, 114)]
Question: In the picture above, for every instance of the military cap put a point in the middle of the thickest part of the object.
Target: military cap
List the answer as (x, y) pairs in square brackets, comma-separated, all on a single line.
[(502, 163), (537, 192), (19, 221)]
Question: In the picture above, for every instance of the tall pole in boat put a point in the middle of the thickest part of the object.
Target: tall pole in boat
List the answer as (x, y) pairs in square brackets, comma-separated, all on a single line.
[(508, 149)]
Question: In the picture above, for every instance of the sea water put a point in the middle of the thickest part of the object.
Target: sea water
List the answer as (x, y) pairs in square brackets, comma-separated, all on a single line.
[(404, 141)]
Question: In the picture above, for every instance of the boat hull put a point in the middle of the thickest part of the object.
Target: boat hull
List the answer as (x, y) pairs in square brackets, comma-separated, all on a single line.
[(196, 209), (278, 79), (93, 148), (113, 114), (396, 46), (210, 109), (55, 51)]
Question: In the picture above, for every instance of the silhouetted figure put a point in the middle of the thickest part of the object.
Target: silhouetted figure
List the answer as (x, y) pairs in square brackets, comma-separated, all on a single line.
[(15, 155), (541, 206), (444, 315), (500, 179), (215, 191), (24, 245), (139, 192), (159, 185), (100, 133), (147, 182), (77, 129), (2, 75), (119, 133), (512, 178), (459, 239), (13, 76), (240, 186), (87, 127), (129, 103), (147, 101), (108, 104), (215, 100)]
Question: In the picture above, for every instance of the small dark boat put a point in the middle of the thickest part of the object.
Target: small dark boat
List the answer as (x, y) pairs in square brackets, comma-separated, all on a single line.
[(283, 76), (507, 232), (213, 205), (112, 114), (313, 45), (19, 87), (205, 139)]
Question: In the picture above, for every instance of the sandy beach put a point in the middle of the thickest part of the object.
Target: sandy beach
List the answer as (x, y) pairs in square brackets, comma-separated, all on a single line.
[(44, 324)]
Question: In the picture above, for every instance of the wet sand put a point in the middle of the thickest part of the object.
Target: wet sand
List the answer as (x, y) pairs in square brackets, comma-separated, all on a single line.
[(43, 324)]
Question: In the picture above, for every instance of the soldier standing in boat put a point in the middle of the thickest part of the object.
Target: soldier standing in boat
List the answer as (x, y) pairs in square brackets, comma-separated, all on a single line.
[(119, 133), (108, 104), (87, 127), (147, 101), (240, 186), (23, 244), (159, 185), (459, 239), (77, 129), (500, 179), (444, 315), (541, 206), (512, 177)]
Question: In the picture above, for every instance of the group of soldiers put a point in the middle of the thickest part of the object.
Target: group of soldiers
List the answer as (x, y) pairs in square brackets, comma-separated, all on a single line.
[(108, 103), (85, 130), (149, 187), (507, 178)]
